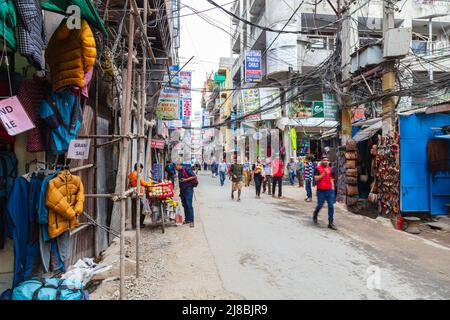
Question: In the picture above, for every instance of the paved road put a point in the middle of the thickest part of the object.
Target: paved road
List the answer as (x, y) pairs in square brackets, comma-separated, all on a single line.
[(269, 249)]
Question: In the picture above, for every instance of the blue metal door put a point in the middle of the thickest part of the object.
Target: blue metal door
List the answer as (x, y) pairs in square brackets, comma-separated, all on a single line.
[(421, 191)]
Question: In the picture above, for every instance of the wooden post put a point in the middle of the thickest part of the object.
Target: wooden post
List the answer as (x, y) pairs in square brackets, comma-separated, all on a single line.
[(388, 78), (124, 148)]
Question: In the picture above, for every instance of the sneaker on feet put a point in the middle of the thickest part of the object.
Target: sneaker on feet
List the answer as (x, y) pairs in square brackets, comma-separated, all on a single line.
[(332, 226), (191, 224)]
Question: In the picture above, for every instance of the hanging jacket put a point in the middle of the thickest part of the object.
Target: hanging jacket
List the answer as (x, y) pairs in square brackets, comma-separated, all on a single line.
[(65, 203), (31, 93), (23, 228), (31, 33), (8, 21), (42, 208), (62, 115), (70, 54)]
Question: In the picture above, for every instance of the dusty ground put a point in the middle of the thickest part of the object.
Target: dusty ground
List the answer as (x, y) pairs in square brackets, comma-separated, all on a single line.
[(269, 249)]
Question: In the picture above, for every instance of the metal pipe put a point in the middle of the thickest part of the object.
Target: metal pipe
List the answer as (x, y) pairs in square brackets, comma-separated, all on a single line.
[(430, 48)]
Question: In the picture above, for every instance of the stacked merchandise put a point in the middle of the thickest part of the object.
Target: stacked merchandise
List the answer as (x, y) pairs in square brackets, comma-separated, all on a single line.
[(388, 176), (351, 156), (341, 177)]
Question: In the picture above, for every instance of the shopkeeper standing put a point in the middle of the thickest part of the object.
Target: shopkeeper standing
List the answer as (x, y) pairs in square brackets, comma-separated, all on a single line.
[(133, 184)]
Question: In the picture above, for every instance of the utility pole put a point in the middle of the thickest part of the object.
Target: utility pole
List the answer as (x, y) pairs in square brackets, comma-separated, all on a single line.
[(388, 78), (348, 33)]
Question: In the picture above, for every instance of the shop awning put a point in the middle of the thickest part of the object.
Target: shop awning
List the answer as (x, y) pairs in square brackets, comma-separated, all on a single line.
[(88, 11), (369, 132), (306, 123), (330, 133)]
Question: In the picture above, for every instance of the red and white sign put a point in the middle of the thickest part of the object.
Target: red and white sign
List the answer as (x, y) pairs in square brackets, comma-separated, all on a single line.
[(158, 144), (14, 117), (187, 107)]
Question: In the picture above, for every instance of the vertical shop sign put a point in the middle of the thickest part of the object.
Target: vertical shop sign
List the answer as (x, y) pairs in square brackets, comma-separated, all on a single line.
[(250, 103), (168, 107), (253, 70)]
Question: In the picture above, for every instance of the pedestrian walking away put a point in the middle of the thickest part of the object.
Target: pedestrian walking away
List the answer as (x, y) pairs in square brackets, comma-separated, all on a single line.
[(325, 191), (309, 176), (267, 182), (188, 181), (277, 173), (257, 175), (223, 170), (237, 173), (300, 172), (292, 170)]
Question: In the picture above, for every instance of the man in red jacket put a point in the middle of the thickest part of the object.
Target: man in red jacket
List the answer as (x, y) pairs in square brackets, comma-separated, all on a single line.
[(325, 191)]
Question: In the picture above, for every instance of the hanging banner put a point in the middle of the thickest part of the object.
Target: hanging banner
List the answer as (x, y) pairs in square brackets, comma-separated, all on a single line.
[(187, 108), (185, 84), (249, 102), (168, 107), (14, 117), (253, 68), (270, 99)]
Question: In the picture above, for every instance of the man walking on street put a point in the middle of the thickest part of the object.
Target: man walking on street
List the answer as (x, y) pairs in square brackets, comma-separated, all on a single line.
[(292, 169), (257, 175), (236, 172), (187, 179), (267, 182), (325, 191), (277, 174), (223, 169), (309, 176)]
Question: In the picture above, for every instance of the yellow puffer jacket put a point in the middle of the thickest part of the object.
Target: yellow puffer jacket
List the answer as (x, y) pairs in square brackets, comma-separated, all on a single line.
[(70, 54), (65, 201)]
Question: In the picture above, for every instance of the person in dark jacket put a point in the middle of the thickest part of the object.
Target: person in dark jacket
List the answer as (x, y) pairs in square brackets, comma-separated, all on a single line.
[(186, 177)]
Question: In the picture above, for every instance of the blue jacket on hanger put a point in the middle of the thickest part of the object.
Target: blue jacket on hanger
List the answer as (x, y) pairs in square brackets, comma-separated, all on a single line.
[(63, 116)]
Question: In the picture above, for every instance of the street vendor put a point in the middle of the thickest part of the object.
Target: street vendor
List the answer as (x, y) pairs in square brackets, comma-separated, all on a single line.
[(133, 184)]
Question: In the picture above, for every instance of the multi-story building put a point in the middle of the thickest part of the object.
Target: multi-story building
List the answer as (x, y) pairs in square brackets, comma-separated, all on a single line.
[(285, 55)]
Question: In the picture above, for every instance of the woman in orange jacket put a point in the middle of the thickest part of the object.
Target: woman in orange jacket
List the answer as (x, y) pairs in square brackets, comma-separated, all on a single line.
[(133, 183)]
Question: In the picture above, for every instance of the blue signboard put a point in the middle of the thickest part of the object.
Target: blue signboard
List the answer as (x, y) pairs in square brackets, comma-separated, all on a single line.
[(253, 67)]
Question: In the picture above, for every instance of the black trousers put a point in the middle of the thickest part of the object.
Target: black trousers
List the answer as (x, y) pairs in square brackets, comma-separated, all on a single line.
[(279, 181), (133, 213), (258, 182)]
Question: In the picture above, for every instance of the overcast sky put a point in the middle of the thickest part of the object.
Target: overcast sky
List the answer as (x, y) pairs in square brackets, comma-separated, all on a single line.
[(203, 41)]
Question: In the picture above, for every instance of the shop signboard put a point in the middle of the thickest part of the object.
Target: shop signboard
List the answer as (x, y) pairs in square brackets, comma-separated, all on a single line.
[(301, 109), (318, 109), (270, 99), (253, 66), (358, 113), (14, 117), (158, 171), (187, 108), (330, 107), (168, 105), (185, 84), (79, 149), (249, 102), (158, 144)]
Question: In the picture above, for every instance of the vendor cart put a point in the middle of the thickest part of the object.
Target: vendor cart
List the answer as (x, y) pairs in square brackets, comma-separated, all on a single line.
[(158, 195)]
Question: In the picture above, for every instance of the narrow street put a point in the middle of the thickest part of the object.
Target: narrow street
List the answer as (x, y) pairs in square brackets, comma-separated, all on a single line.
[(269, 249)]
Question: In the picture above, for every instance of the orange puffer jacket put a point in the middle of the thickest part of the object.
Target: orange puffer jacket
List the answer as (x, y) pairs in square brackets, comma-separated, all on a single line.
[(70, 54), (65, 202)]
